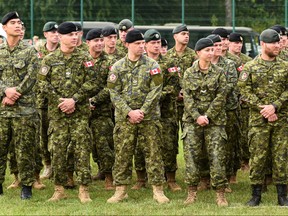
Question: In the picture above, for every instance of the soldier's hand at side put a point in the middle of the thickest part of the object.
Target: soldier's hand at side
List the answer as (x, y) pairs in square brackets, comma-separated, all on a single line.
[(267, 110), (180, 96), (7, 101), (273, 118), (12, 94), (67, 105), (91, 107), (202, 121)]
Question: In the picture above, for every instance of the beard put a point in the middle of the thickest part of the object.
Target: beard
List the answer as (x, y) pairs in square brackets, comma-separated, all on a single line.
[(272, 53)]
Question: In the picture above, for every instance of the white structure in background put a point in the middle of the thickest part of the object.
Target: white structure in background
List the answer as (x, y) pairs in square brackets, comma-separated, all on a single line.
[(2, 32)]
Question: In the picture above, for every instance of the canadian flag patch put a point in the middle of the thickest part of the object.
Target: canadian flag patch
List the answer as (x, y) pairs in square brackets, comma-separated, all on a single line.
[(155, 71), (39, 55), (240, 68), (89, 64), (110, 67), (173, 69)]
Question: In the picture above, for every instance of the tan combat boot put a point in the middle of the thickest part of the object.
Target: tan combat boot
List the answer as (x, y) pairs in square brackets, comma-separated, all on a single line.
[(159, 195), (16, 183), (204, 184), (119, 195), (172, 185), (70, 181), (141, 180), (220, 198), (228, 189), (38, 185), (84, 194), (59, 194), (109, 182), (47, 173), (192, 195)]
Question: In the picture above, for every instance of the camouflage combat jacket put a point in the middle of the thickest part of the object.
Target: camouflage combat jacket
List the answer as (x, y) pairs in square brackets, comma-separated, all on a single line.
[(264, 83), (68, 77), (18, 68), (135, 86), (205, 94), (120, 46)]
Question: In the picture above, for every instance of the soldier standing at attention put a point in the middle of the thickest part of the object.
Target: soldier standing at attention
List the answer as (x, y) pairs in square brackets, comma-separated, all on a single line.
[(52, 43), (204, 120), (135, 84), (263, 84), (67, 77), (124, 27), (19, 65), (101, 122), (183, 57), (164, 47)]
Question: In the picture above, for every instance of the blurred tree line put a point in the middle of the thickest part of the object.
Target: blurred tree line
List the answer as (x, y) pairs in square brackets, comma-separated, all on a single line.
[(257, 14)]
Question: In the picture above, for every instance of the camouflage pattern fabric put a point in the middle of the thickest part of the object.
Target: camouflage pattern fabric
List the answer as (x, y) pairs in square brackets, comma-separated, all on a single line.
[(121, 47), (205, 94), (264, 83)]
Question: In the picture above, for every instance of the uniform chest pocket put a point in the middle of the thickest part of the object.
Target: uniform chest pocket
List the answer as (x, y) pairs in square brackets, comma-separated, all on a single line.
[(20, 68), (57, 75), (212, 85)]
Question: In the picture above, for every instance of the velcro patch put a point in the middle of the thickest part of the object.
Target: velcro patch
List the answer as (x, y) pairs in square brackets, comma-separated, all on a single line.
[(243, 76), (112, 78), (44, 70)]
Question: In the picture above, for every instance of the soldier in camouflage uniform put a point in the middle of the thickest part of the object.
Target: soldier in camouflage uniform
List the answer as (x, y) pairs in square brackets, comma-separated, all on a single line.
[(124, 27), (183, 58), (263, 84), (283, 33), (101, 122), (171, 87), (110, 37), (68, 80), (235, 47), (52, 43), (204, 120), (135, 84), (19, 66), (231, 107)]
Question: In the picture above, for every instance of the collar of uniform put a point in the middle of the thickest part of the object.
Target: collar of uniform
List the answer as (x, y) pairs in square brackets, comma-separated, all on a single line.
[(196, 65), (263, 62), (140, 61)]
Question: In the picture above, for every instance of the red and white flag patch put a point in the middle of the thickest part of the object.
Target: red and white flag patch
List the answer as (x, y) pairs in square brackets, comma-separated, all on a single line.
[(173, 69), (240, 68), (155, 71), (89, 64), (39, 55)]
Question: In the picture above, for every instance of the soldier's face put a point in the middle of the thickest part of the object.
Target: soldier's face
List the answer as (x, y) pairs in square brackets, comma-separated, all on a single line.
[(235, 47), (96, 45), (225, 44), (182, 37), (164, 50), (52, 36), (153, 46), (218, 49), (13, 27), (69, 40), (271, 49), (206, 54), (110, 41), (122, 34), (136, 48)]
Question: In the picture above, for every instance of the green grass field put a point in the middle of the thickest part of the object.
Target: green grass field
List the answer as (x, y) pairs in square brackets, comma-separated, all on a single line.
[(140, 202)]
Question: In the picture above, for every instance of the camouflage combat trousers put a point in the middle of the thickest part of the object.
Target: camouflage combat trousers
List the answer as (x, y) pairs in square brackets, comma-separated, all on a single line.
[(244, 118), (169, 147), (70, 137), (44, 124), (233, 150), (147, 136), (213, 139), (103, 145), (263, 140), (20, 132)]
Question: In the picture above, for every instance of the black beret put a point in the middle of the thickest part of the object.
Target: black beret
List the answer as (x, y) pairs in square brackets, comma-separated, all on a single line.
[(125, 24), (270, 36), (180, 28), (67, 27), (215, 38), (134, 35), (9, 16), (203, 43), (151, 34), (221, 31), (164, 42), (50, 26), (283, 29), (94, 33), (109, 30), (79, 26), (235, 37)]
